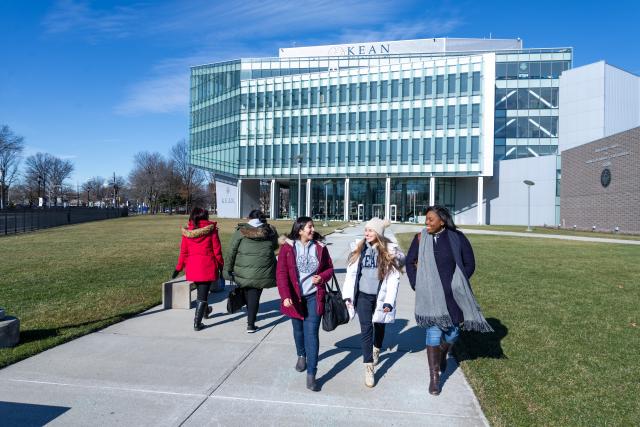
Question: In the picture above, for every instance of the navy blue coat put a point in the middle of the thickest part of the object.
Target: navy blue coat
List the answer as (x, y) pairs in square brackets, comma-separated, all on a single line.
[(446, 262)]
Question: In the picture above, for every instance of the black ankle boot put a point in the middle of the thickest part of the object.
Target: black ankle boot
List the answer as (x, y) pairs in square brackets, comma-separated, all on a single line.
[(201, 307), (301, 364), (311, 382)]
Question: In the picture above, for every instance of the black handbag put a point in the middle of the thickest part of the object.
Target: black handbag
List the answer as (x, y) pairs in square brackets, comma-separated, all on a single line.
[(335, 309), (236, 300)]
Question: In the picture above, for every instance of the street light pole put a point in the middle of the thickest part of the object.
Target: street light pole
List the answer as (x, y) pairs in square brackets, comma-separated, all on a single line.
[(529, 184)]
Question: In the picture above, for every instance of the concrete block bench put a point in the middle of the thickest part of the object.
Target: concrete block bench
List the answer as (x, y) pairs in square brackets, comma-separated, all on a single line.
[(176, 293), (9, 330)]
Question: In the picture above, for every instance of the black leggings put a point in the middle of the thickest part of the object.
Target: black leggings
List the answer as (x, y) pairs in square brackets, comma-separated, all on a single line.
[(203, 290), (370, 332), (252, 295)]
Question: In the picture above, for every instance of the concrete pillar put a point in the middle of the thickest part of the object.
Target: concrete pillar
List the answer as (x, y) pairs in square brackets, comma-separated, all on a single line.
[(9, 330), (432, 191), (387, 198), (272, 200), (346, 199), (481, 219), (307, 199), (239, 200)]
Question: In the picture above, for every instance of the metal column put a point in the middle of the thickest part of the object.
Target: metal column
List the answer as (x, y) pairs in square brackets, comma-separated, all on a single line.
[(432, 191), (346, 199), (481, 219), (272, 200)]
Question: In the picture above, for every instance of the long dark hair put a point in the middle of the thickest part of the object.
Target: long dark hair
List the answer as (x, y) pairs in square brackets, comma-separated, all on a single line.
[(198, 214), (257, 214), (444, 215), (299, 224)]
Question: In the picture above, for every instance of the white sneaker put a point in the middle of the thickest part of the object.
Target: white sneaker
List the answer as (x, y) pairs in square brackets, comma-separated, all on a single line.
[(369, 375), (376, 356)]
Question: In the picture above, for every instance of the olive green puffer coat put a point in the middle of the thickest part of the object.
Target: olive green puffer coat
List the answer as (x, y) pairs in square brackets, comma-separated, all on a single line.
[(251, 261)]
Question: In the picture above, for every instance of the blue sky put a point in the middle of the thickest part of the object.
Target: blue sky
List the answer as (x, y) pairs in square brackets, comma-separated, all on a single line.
[(98, 81)]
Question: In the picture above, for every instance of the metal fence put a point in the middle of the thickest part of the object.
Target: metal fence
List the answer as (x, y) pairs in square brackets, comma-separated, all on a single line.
[(23, 220)]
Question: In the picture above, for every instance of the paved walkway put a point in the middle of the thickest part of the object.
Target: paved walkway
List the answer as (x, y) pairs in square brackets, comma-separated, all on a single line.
[(410, 228), (155, 370)]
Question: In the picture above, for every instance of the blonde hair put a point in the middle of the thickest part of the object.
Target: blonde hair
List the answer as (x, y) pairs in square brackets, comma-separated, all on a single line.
[(386, 260)]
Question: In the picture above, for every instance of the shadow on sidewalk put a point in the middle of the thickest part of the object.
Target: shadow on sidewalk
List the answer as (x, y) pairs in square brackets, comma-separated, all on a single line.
[(266, 311), (410, 340)]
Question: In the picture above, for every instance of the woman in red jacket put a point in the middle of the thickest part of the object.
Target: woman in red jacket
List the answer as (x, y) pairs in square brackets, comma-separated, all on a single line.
[(201, 253), (303, 269)]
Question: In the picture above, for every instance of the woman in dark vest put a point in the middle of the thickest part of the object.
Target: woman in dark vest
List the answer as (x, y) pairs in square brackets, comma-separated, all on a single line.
[(439, 264), (251, 261)]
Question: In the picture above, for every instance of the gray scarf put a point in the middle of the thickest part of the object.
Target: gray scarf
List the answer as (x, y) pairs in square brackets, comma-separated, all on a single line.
[(431, 306)]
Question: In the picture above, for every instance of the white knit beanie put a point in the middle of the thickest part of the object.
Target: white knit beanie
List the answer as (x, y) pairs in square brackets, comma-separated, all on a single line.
[(378, 225)]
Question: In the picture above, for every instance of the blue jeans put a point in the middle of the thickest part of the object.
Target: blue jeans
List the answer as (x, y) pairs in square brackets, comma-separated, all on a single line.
[(305, 334), (434, 334)]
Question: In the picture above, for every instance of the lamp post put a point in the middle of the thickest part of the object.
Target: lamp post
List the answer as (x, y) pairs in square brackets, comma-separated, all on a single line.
[(326, 192), (529, 184), (39, 183), (115, 189), (298, 158)]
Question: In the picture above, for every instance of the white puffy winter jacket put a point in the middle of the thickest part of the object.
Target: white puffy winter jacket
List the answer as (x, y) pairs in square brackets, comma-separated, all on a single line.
[(388, 289)]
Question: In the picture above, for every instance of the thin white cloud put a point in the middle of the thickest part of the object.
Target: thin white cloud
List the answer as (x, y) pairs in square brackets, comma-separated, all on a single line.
[(162, 94), (403, 31), (256, 28), (166, 89), (79, 16), (30, 150)]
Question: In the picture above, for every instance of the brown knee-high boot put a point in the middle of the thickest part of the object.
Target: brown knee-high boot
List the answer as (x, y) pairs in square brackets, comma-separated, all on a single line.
[(433, 357), (445, 347)]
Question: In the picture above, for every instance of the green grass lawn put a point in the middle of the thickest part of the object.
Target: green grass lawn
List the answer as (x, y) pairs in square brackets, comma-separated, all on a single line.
[(550, 230), (567, 339), (68, 281)]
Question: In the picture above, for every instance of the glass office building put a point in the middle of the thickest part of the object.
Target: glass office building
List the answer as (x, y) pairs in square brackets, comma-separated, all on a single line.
[(377, 129)]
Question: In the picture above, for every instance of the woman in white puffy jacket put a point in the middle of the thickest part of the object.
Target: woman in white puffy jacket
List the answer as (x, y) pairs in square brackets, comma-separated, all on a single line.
[(371, 286)]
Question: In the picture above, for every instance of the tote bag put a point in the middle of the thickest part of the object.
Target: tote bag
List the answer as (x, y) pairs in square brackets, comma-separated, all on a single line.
[(335, 309), (235, 300)]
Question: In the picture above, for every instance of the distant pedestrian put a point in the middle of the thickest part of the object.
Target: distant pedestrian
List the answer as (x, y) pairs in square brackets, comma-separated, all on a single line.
[(304, 268), (201, 254), (439, 264), (371, 285), (251, 261)]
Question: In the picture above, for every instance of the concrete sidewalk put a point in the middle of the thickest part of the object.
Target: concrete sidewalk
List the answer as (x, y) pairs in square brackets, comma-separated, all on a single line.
[(414, 228), (155, 370)]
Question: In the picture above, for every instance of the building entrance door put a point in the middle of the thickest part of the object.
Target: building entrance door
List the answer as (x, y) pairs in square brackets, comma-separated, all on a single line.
[(393, 213), (360, 212), (377, 210)]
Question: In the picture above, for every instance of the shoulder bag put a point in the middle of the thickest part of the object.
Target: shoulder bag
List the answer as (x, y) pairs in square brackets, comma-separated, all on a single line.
[(335, 309)]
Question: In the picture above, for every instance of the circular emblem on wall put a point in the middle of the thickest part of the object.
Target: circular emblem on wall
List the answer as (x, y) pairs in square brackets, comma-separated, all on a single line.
[(605, 177)]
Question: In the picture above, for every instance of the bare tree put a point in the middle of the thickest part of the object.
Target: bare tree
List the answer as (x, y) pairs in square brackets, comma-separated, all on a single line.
[(59, 173), (36, 173), (191, 177), (11, 147), (146, 178), (94, 189), (49, 172)]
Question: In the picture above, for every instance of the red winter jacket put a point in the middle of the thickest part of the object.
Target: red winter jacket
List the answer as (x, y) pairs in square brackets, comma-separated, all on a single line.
[(287, 279), (200, 252)]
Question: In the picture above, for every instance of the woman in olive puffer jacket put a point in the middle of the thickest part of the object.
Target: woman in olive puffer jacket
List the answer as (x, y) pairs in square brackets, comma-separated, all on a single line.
[(251, 261)]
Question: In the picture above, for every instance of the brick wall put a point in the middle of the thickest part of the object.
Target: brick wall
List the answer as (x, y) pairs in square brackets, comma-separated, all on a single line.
[(584, 202)]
